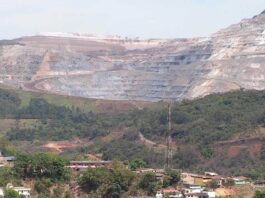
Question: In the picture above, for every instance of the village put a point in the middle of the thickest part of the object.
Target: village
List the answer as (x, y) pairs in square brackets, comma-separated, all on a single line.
[(191, 185)]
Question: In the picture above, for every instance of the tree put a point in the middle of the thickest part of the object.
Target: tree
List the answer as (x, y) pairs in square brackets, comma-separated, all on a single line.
[(172, 178), (229, 182), (6, 175), (111, 182), (10, 193), (122, 176), (41, 165), (207, 152), (186, 157), (137, 163), (93, 178), (212, 184), (113, 191), (262, 152), (149, 183), (259, 194)]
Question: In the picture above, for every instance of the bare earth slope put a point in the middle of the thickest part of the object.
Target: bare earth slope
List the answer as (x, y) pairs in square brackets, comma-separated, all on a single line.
[(130, 69)]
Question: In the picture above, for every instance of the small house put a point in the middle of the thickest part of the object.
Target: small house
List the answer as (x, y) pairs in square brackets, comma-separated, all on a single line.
[(241, 180), (81, 165), (197, 195), (22, 191), (192, 189), (6, 161), (159, 194), (202, 180), (172, 193)]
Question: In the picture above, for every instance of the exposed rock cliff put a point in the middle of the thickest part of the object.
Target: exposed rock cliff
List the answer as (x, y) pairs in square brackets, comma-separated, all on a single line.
[(118, 68)]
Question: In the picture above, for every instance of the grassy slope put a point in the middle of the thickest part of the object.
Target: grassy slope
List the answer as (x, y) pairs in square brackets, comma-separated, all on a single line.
[(94, 105)]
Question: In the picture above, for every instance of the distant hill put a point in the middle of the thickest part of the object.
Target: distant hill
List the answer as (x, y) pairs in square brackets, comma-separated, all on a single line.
[(117, 68)]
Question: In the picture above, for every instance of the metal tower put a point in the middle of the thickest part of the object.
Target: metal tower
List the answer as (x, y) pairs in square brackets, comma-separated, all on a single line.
[(169, 153)]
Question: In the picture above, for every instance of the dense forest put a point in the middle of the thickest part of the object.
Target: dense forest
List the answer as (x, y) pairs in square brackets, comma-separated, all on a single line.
[(213, 118), (197, 126)]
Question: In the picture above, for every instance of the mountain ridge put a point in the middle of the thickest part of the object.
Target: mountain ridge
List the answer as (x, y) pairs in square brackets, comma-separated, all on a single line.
[(117, 68)]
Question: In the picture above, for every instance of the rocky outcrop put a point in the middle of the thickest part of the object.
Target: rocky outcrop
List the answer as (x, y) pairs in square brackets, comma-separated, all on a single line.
[(132, 69)]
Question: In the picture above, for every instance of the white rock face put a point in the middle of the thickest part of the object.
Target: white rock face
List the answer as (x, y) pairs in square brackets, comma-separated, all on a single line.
[(112, 67)]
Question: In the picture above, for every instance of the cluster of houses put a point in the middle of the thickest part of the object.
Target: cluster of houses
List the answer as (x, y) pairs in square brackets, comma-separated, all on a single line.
[(197, 186), (192, 185)]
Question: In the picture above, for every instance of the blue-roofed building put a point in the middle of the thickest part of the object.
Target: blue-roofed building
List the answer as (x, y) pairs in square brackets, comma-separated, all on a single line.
[(6, 161), (10, 158)]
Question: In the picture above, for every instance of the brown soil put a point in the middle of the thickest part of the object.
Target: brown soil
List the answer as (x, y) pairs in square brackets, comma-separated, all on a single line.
[(59, 146), (252, 145), (244, 191), (223, 192), (44, 67)]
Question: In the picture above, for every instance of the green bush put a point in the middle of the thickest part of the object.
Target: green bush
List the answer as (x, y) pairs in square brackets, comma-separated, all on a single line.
[(259, 194), (10, 193), (149, 183)]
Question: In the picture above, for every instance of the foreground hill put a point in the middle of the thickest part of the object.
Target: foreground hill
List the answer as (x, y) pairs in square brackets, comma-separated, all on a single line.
[(220, 132), (131, 69)]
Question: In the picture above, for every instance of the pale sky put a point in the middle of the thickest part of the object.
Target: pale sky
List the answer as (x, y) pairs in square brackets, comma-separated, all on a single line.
[(132, 18)]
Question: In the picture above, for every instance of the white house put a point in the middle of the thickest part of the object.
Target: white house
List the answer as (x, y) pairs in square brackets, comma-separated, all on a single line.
[(21, 190)]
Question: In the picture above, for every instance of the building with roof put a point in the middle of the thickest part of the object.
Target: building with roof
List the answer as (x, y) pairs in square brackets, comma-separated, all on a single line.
[(81, 165), (169, 192), (6, 161), (202, 180), (241, 180), (22, 191), (197, 195)]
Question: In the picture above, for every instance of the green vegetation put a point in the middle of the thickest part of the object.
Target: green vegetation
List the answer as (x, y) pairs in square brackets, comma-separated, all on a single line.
[(204, 121), (44, 169), (212, 184), (172, 179), (122, 150), (197, 127), (55, 122), (7, 175), (41, 165), (136, 164), (109, 183), (10, 193), (149, 183), (117, 181), (259, 194), (42, 187)]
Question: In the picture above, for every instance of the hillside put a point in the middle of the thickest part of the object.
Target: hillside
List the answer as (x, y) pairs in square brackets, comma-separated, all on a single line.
[(119, 68), (221, 132)]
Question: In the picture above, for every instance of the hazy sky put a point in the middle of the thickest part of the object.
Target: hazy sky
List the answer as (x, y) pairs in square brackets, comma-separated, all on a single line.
[(144, 18)]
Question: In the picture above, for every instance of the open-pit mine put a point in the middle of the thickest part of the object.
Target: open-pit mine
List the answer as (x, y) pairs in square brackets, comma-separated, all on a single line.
[(117, 68)]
